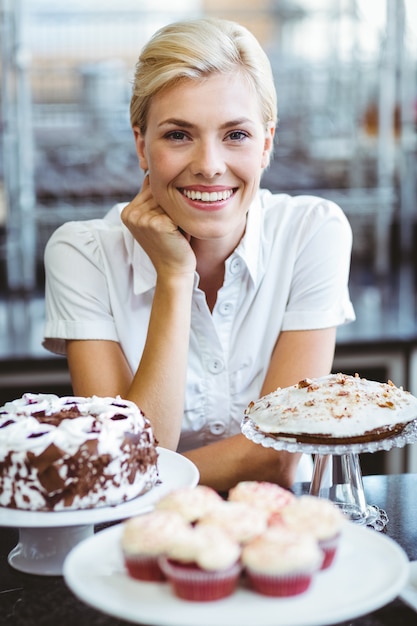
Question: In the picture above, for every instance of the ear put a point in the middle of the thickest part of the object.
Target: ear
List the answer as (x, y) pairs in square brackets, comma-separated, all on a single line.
[(140, 148), (268, 145)]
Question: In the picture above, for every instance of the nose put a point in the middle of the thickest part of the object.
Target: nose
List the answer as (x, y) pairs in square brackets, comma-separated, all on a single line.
[(208, 159)]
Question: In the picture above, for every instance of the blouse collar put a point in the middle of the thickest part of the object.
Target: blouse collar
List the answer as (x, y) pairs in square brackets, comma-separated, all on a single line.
[(144, 274)]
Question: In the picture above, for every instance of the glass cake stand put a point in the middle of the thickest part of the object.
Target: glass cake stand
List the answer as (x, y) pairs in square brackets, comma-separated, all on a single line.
[(46, 538), (337, 473)]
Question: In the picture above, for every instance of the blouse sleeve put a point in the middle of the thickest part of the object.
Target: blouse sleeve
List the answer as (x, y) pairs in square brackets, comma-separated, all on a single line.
[(76, 291), (319, 295)]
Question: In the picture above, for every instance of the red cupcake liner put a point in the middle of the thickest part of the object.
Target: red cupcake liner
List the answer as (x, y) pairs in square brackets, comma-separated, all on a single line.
[(329, 549), (144, 567), (279, 585), (190, 582)]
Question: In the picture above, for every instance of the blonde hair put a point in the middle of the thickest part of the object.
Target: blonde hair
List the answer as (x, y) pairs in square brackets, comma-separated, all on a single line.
[(194, 50)]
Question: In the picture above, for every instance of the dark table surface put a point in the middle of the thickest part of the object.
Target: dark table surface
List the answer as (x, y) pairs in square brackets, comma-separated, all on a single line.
[(29, 600)]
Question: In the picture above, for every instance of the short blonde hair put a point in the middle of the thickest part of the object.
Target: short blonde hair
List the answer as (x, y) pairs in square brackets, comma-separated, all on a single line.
[(195, 49)]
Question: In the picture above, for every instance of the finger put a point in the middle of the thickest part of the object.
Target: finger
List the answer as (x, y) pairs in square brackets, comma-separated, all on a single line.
[(144, 193), (145, 182)]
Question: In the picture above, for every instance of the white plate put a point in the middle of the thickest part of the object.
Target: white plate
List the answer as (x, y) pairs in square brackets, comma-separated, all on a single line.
[(409, 592), (369, 571), (175, 471)]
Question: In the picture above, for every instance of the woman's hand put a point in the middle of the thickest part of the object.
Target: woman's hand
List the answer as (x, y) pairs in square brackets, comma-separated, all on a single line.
[(167, 246), (158, 385)]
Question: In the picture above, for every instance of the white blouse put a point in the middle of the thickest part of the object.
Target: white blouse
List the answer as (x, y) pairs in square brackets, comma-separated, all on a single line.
[(289, 272)]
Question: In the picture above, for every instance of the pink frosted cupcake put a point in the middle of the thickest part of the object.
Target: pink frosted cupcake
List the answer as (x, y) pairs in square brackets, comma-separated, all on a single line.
[(320, 518), (203, 564), (281, 563), (241, 521), (145, 538), (262, 495), (190, 502)]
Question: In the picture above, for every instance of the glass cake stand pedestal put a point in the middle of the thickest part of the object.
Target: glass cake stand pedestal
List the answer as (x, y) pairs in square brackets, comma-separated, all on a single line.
[(337, 473), (338, 478)]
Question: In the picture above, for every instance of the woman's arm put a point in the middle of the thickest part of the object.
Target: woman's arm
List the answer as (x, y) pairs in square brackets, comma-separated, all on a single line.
[(99, 367), (297, 355), (158, 385), (300, 354)]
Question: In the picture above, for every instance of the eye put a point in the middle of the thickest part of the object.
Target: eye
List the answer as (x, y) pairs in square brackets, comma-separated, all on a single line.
[(238, 135), (176, 135)]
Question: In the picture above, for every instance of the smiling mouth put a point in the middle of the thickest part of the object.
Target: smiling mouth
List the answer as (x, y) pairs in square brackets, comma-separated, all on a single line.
[(208, 196)]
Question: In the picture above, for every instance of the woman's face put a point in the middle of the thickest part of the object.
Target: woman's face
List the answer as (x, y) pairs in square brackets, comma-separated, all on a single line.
[(205, 148)]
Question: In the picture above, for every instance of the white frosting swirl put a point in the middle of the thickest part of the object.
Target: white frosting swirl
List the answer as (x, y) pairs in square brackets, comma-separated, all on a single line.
[(280, 551), (209, 547), (318, 516), (190, 502), (79, 447), (240, 520), (261, 494), (151, 533), (337, 405), (22, 431)]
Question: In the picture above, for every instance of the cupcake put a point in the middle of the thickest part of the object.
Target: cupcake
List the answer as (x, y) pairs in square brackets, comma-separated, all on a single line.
[(239, 520), (281, 563), (262, 495), (320, 518), (190, 502), (145, 538), (202, 564)]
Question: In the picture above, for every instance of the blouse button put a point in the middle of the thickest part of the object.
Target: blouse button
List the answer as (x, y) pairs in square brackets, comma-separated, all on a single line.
[(217, 428), (215, 366), (235, 266), (226, 308)]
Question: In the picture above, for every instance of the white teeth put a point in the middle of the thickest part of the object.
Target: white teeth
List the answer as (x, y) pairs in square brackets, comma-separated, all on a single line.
[(205, 196)]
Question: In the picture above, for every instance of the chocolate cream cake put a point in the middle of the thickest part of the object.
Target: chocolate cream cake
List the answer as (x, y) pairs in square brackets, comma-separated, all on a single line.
[(334, 409), (68, 453)]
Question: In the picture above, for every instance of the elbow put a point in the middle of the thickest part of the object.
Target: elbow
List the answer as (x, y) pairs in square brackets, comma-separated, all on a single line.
[(166, 440)]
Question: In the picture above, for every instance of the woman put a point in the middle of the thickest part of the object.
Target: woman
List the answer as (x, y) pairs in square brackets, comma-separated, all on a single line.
[(204, 292)]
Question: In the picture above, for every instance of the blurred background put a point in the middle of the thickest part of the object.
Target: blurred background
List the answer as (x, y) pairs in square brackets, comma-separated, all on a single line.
[(346, 75)]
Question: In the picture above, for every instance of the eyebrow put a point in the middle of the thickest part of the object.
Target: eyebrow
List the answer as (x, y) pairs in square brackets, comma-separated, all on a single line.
[(172, 121)]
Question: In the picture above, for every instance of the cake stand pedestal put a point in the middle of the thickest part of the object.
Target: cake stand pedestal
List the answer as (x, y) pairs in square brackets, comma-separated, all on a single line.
[(339, 479), (337, 474), (43, 550), (46, 538)]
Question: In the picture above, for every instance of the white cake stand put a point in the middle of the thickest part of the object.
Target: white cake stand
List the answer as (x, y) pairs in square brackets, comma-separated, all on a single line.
[(46, 538), (337, 474)]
